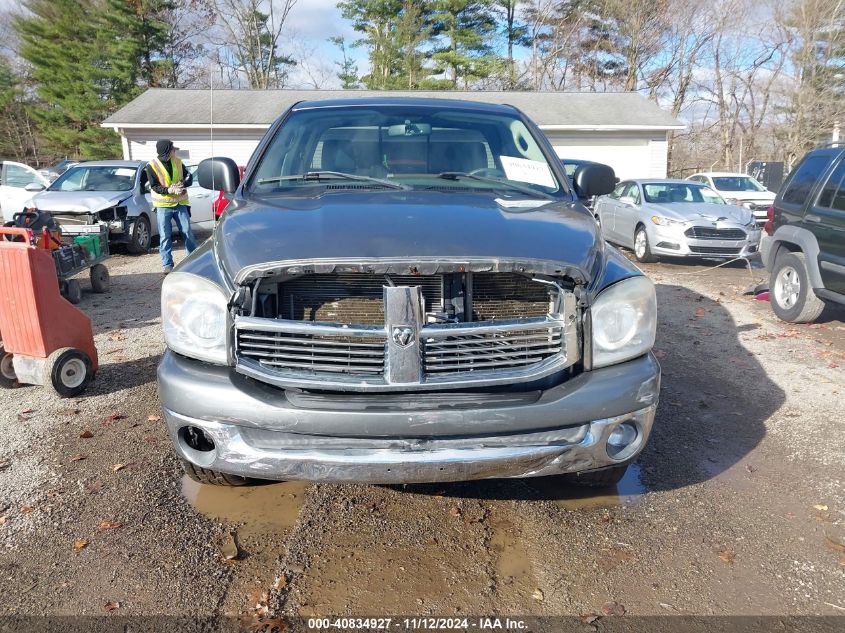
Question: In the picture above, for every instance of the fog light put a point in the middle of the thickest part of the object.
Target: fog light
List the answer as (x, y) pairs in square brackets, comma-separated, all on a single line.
[(197, 439), (621, 440)]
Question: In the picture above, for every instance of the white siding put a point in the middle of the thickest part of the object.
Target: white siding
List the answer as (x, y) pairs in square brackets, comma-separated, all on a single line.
[(194, 145), (631, 154)]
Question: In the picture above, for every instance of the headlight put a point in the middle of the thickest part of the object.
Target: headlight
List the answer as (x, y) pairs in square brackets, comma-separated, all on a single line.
[(624, 321), (661, 221), (194, 317)]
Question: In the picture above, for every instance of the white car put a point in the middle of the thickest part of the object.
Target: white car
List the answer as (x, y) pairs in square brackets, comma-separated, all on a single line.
[(739, 189), (18, 183)]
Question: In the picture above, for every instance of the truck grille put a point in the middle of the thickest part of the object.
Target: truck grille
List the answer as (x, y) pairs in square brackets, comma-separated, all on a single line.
[(714, 250), (507, 296), (467, 352), (708, 233), (315, 353)]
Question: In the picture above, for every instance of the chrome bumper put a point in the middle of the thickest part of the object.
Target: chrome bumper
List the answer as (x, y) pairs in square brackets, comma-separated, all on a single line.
[(258, 432)]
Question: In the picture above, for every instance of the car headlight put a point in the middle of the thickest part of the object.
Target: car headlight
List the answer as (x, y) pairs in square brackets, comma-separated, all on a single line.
[(194, 317), (624, 319), (661, 221)]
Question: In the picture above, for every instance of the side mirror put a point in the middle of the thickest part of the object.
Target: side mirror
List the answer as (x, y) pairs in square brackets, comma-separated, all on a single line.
[(34, 186), (219, 173), (594, 179)]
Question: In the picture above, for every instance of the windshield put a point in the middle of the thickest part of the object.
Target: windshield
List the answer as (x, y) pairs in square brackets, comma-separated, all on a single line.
[(406, 145), (737, 183), (669, 192), (94, 178)]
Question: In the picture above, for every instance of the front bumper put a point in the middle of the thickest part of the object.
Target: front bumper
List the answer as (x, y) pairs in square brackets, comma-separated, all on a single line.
[(671, 241), (258, 431)]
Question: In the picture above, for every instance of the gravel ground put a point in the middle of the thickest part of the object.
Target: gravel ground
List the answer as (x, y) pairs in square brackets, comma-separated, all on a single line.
[(736, 507)]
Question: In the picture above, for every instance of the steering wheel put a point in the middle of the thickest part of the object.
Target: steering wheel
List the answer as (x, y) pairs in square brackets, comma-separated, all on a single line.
[(488, 172)]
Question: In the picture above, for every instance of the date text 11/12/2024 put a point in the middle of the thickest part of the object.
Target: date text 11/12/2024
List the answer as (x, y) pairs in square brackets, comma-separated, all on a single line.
[(417, 624)]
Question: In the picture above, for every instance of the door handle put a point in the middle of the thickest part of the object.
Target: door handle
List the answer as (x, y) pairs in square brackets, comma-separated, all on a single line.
[(811, 217)]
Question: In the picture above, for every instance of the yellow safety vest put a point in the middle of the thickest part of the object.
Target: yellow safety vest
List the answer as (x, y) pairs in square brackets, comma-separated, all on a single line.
[(166, 179)]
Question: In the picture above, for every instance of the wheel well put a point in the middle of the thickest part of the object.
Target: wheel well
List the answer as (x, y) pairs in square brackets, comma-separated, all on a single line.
[(638, 227)]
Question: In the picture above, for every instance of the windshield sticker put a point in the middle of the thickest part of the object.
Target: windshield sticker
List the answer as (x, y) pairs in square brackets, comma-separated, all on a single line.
[(523, 170), (124, 171)]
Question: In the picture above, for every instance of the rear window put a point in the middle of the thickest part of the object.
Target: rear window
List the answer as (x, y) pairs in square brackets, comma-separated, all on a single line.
[(804, 178), (833, 193)]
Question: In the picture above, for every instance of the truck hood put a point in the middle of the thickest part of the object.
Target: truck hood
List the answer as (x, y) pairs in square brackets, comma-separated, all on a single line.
[(749, 196), (270, 235), (78, 201)]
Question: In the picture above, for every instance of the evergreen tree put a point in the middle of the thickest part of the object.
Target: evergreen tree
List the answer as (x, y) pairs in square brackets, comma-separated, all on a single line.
[(347, 68), (59, 39), (466, 29)]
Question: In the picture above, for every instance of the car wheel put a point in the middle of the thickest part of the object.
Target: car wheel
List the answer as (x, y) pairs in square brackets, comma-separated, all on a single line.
[(642, 249), (792, 298), (212, 477), (8, 378), (100, 280), (142, 236), (603, 478), (69, 371)]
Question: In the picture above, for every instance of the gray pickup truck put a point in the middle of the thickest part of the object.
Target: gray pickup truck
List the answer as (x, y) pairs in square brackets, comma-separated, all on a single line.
[(407, 290)]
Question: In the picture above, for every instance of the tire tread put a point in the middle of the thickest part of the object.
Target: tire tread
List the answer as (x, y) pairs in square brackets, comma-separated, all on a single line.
[(212, 477)]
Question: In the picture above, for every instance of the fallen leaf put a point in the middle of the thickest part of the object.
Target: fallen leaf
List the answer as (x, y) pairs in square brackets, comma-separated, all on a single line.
[(111, 606), (78, 457), (111, 419), (110, 525), (118, 467), (153, 418), (455, 511), (120, 359), (27, 410), (95, 487), (80, 544), (4, 465), (613, 608), (86, 435), (842, 560), (115, 351), (750, 468), (820, 507), (588, 618), (69, 411), (538, 595), (700, 312), (117, 336), (27, 508), (834, 545), (2, 520), (150, 439), (668, 607), (833, 366), (727, 555)]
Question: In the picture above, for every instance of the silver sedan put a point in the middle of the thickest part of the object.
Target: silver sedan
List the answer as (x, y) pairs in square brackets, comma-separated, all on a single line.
[(675, 218)]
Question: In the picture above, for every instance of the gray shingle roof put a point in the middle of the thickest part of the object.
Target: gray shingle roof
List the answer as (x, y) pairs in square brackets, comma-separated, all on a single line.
[(159, 106)]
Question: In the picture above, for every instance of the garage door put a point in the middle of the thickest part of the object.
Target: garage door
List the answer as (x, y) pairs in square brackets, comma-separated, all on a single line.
[(629, 157)]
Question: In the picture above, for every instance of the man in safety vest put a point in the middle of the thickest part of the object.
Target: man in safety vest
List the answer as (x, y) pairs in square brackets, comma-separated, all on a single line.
[(168, 180)]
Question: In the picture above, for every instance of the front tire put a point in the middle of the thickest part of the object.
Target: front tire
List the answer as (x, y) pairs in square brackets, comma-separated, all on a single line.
[(69, 371), (642, 247), (142, 237), (73, 291), (212, 477), (792, 298)]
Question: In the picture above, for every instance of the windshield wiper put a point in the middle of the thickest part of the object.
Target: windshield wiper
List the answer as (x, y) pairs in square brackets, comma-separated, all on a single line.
[(329, 175), (458, 175)]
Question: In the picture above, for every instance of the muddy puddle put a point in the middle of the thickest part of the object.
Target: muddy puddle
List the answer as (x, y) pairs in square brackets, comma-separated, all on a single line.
[(263, 509), (512, 562), (627, 493)]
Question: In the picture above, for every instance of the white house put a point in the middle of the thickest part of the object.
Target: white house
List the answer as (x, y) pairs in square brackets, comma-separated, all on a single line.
[(622, 129)]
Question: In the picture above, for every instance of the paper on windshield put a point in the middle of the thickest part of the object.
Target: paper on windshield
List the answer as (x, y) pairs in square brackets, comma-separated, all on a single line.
[(523, 170), (124, 171)]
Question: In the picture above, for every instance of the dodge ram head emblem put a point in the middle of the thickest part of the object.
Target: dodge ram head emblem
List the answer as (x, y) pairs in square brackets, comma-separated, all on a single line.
[(402, 335)]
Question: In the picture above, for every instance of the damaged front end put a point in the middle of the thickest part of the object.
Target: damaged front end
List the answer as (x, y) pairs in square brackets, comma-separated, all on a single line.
[(387, 326), (114, 217)]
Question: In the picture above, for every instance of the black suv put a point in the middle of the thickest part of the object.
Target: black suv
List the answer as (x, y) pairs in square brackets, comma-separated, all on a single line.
[(804, 250)]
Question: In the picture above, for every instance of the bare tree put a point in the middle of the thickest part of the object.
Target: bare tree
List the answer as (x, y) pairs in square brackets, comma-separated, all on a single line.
[(249, 34)]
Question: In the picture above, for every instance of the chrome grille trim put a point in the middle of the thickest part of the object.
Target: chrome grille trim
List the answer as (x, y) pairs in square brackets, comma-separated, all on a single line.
[(355, 358)]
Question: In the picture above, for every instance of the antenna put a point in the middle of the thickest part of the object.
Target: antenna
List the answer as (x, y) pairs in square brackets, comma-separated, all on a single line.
[(211, 127)]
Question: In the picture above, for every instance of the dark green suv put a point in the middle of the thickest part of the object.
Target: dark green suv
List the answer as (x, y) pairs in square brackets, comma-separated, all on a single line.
[(804, 245)]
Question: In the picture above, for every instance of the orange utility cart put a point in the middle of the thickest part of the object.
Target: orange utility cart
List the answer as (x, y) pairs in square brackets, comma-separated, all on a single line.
[(45, 340)]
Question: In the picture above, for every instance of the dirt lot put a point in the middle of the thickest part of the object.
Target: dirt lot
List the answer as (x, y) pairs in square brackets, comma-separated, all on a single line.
[(737, 507)]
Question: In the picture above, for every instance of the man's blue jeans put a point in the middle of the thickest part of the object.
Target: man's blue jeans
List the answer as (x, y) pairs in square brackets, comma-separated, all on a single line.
[(165, 231)]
